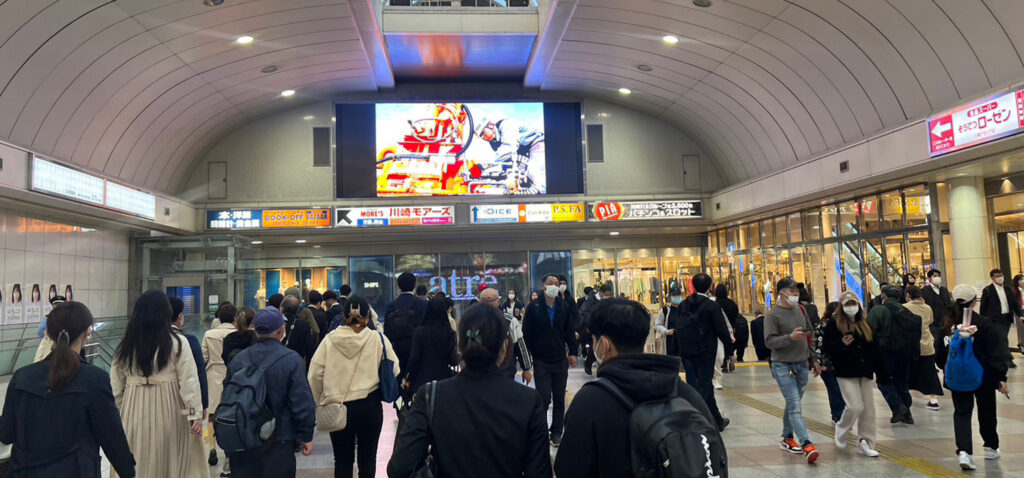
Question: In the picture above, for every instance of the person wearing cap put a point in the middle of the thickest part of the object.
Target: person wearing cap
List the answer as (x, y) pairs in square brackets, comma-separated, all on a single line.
[(990, 350), (848, 343), (288, 397), (669, 319), (786, 329), (896, 360)]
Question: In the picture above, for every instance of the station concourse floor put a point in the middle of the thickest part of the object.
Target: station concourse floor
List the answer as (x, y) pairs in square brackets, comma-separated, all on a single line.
[(753, 402)]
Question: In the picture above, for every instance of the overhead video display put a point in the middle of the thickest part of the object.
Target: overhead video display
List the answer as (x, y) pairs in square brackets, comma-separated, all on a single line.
[(454, 149)]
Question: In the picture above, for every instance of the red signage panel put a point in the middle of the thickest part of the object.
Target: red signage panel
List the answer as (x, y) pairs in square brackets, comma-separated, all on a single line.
[(976, 123)]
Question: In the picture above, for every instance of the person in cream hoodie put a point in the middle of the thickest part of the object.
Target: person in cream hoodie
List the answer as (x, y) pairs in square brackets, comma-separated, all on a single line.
[(345, 370)]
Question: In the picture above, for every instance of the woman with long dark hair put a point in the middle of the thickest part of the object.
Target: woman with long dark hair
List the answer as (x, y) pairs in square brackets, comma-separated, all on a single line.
[(68, 295), (156, 386), (433, 348), (52, 294), (60, 412), (836, 402), (36, 295), (16, 294), (243, 336)]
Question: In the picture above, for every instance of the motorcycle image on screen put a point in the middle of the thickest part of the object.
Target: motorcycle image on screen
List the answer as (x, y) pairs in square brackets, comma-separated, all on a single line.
[(430, 160)]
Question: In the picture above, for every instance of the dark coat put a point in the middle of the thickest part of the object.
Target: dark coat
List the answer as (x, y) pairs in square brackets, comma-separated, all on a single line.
[(197, 354), (484, 425), (299, 337), (321, 320), (990, 349), (288, 392), (757, 336), (860, 359), (990, 306), (237, 341), (710, 320), (432, 355), (405, 301), (547, 339), (61, 433), (596, 439)]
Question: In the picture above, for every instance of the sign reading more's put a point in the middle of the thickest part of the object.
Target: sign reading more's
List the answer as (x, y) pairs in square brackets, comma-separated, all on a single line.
[(649, 210), (394, 216)]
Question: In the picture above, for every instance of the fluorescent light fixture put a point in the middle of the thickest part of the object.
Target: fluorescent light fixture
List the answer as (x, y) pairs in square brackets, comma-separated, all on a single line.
[(308, 117), (625, 91), (256, 243), (288, 93), (333, 119), (670, 39), (300, 241), (244, 40), (613, 233), (316, 246)]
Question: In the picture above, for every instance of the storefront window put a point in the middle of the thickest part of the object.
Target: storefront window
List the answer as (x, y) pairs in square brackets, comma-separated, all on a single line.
[(948, 275), (723, 245), (544, 263), (895, 267), (741, 286), (322, 274), (743, 243), (832, 264), (767, 233), (943, 193), (828, 221), (817, 276), (424, 267), (713, 243), (730, 239), (780, 231), (874, 267), (919, 205), (761, 287), (795, 228), (892, 210), (869, 214), (373, 279), (678, 266), (595, 267), (638, 276), (848, 214), (753, 235), (812, 225), (796, 256), (919, 254), (851, 269)]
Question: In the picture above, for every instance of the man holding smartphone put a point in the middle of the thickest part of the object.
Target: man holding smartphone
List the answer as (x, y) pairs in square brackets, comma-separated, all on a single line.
[(786, 330)]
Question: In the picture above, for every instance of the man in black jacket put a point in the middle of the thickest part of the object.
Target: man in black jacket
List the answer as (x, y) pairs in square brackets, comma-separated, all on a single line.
[(299, 336), (550, 336), (589, 304), (938, 299), (999, 303), (698, 342), (319, 315), (336, 306), (597, 442)]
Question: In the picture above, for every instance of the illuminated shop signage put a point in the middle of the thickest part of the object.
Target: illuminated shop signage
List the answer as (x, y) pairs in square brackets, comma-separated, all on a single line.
[(527, 213), (234, 220), (394, 216), (288, 218), (634, 210), (976, 123), (53, 178)]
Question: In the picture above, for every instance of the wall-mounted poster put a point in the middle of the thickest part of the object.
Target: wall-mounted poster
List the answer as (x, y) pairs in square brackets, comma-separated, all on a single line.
[(34, 307), (48, 301), (15, 306), (68, 295)]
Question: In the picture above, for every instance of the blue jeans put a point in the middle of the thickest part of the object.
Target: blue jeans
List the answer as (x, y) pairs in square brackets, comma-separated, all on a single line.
[(835, 397), (792, 380)]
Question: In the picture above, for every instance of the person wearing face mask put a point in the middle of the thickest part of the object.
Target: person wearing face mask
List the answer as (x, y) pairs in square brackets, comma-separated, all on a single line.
[(593, 300), (909, 280), (565, 294), (924, 376), (999, 303), (512, 305), (849, 344), (551, 338), (835, 396), (936, 295), (786, 329), (900, 347), (700, 330), (668, 321)]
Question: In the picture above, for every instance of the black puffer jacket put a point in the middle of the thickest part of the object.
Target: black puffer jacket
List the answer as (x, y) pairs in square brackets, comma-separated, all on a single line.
[(857, 360)]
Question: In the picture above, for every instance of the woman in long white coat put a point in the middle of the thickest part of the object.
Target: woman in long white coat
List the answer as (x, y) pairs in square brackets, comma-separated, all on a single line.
[(216, 370)]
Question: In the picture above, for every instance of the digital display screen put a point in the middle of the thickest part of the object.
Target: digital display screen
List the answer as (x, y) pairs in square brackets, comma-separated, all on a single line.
[(131, 200), (455, 149), (63, 181)]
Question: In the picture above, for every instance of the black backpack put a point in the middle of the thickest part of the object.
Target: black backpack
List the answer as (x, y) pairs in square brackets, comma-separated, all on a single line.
[(692, 340), (400, 324), (906, 331), (243, 421), (670, 438)]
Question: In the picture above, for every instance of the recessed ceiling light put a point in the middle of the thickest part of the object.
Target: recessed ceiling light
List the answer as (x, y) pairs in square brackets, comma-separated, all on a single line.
[(269, 69), (316, 246), (625, 91), (244, 40), (702, 3), (308, 117), (644, 68), (670, 39), (212, 3), (300, 241), (288, 93), (613, 233), (256, 243), (333, 119)]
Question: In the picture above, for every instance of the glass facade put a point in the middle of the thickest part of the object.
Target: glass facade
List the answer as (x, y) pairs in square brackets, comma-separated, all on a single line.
[(854, 244)]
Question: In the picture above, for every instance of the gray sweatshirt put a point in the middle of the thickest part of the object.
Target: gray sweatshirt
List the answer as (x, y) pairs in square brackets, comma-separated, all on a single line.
[(779, 323)]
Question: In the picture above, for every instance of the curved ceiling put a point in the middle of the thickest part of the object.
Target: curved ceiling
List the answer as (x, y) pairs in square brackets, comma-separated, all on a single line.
[(763, 84), (140, 89)]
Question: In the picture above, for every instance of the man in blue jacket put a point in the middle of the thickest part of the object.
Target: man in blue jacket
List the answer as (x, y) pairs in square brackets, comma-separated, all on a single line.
[(288, 396)]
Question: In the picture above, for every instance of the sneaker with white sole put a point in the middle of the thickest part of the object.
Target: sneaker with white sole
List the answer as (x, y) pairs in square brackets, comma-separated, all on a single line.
[(991, 453), (866, 450), (790, 445), (933, 406), (841, 436), (967, 462), (718, 385)]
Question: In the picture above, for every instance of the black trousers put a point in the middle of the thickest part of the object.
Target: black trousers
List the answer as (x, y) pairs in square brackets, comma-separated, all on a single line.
[(358, 441), (699, 373), (963, 408), (1005, 323), (742, 337), (896, 390), (551, 378), (273, 461)]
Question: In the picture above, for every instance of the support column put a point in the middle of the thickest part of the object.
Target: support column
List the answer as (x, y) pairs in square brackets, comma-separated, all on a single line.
[(969, 231)]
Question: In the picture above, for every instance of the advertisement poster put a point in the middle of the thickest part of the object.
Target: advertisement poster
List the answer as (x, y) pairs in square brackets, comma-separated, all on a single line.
[(34, 307), (527, 213), (635, 210), (51, 292), (15, 306), (68, 293), (453, 149), (285, 218), (976, 123), (395, 216)]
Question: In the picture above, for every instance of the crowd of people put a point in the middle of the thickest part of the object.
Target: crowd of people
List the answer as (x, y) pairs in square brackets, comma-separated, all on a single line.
[(265, 381)]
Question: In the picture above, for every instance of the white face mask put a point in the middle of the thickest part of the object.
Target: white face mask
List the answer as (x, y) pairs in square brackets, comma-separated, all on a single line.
[(561, 288), (677, 299), (511, 297), (551, 291), (937, 281), (793, 299), (598, 360), (713, 298), (999, 280), (851, 310)]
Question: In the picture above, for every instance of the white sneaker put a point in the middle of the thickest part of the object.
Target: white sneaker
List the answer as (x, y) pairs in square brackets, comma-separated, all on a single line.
[(866, 450), (841, 436), (991, 453), (717, 384), (967, 462)]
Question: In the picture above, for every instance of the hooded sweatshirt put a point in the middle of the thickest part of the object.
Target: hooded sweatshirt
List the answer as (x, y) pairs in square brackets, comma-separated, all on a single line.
[(596, 439), (345, 366)]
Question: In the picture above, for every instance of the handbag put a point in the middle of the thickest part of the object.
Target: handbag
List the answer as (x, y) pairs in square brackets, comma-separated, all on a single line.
[(428, 469), (332, 417), (389, 389)]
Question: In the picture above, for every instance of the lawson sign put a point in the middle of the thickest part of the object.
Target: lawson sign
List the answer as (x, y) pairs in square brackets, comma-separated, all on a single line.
[(976, 123)]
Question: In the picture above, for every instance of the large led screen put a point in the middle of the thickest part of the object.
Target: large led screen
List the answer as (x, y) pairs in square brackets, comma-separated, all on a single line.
[(454, 149)]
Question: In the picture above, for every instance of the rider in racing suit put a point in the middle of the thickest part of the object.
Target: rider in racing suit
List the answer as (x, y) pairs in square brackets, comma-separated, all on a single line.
[(513, 144)]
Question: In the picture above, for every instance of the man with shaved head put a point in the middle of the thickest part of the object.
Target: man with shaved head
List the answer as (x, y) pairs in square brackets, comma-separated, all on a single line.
[(298, 334), (515, 336)]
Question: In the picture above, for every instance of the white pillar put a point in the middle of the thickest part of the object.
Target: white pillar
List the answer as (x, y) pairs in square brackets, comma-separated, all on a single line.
[(968, 228)]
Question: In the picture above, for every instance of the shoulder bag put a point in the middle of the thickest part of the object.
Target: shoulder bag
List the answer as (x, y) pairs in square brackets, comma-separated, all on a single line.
[(389, 389), (428, 469), (332, 417)]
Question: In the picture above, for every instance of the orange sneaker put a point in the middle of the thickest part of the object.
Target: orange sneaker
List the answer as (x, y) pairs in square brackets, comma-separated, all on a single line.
[(810, 453), (790, 445)]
